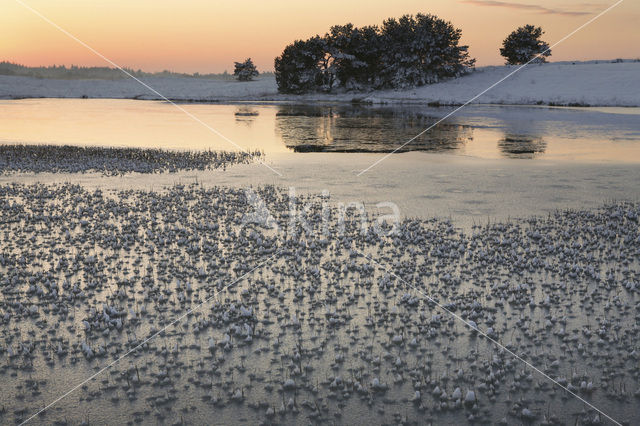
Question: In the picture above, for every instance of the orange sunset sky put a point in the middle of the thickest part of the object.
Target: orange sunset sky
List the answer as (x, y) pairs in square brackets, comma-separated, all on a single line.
[(207, 36)]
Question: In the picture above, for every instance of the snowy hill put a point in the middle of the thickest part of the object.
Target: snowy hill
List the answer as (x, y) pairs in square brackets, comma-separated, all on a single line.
[(603, 83), (564, 83)]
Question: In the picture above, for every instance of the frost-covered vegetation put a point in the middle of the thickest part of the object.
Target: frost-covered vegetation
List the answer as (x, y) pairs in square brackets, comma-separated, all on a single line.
[(186, 315), (406, 52), (112, 161)]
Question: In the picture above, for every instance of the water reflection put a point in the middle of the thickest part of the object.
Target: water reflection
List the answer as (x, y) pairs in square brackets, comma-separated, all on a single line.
[(521, 146), (363, 129), (246, 115), (476, 130)]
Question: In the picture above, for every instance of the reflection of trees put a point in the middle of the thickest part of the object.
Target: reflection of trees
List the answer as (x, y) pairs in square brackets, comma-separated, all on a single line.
[(364, 129), (246, 115), (522, 146)]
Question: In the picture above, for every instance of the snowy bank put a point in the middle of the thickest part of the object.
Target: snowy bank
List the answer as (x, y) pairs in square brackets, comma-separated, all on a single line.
[(594, 83), (175, 88), (580, 84)]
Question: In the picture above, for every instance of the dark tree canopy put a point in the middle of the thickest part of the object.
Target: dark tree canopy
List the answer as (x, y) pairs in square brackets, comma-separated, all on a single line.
[(355, 53), (523, 45), (301, 67), (421, 50), (245, 71), (405, 52)]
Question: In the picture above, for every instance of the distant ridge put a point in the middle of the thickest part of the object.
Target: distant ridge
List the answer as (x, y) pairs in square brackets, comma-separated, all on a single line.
[(74, 72)]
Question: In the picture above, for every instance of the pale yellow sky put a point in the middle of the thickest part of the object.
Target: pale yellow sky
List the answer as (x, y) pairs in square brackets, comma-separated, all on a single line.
[(208, 35)]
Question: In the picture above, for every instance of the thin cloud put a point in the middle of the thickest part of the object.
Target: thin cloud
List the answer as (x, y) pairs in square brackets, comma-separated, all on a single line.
[(588, 8)]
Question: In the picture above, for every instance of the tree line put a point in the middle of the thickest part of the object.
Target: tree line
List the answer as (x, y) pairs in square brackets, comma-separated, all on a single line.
[(405, 52), (74, 72), (401, 53)]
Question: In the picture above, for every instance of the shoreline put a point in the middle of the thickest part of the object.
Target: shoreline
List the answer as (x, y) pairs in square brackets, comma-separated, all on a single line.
[(338, 101), (579, 84), (467, 190)]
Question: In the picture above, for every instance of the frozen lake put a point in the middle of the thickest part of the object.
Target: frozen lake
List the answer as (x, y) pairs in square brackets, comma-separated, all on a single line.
[(184, 314), (484, 163), (490, 132)]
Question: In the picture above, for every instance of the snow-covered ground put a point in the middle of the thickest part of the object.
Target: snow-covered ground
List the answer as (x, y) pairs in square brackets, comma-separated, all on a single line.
[(595, 83), (176, 88)]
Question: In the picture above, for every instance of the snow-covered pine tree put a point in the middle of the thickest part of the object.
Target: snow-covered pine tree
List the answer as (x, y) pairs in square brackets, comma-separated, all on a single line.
[(245, 71), (421, 50), (304, 66), (355, 53), (523, 45)]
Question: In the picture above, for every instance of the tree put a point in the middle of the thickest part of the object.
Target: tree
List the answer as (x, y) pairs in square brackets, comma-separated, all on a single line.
[(304, 66), (523, 45), (355, 53), (245, 71), (421, 50)]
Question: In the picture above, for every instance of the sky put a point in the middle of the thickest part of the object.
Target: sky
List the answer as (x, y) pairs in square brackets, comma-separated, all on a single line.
[(209, 35)]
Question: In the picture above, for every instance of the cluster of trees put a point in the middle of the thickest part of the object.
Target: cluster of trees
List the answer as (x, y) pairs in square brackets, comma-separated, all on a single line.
[(405, 52)]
